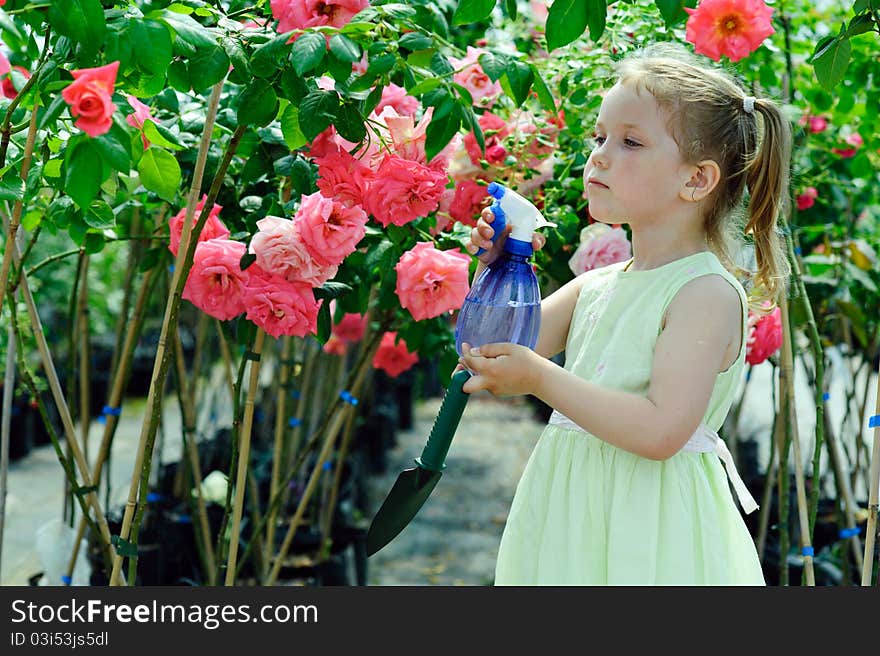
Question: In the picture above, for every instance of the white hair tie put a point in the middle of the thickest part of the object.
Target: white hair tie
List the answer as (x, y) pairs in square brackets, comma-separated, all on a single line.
[(749, 104)]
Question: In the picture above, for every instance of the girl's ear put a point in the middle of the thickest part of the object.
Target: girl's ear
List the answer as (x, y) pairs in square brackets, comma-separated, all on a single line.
[(705, 176)]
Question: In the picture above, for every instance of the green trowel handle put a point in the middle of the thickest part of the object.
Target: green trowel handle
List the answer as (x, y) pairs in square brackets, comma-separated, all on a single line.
[(434, 454)]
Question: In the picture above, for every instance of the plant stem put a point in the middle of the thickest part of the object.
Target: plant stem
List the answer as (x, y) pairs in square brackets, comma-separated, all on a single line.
[(5, 128), (243, 457), (278, 447), (169, 324), (873, 500)]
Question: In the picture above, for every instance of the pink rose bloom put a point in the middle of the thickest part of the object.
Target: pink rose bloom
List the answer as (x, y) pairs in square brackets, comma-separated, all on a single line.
[(279, 249), (855, 140), (807, 199), (397, 98), (600, 246), (5, 66), (495, 129), (213, 228), (335, 346), (141, 114), (343, 178), (468, 201), (815, 124), (765, 336), (471, 76), (408, 139), (351, 327), (216, 284), (330, 230), (89, 98), (393, 358), (733, 28), (300, 14), (279, 306), (430, 281), (360, 67), (403, 191), (8, 86)]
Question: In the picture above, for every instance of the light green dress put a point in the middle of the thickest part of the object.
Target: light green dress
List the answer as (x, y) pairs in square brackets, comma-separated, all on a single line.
[(588, 513)]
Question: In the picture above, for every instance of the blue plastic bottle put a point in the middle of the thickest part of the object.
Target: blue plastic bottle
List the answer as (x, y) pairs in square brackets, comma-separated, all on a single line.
[(504, 303)]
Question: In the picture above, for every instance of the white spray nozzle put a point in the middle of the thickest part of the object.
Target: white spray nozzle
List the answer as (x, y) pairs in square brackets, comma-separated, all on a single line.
[(518, 211)]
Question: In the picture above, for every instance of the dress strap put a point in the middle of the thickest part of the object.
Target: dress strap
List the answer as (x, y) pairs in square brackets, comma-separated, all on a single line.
[(704, 440)]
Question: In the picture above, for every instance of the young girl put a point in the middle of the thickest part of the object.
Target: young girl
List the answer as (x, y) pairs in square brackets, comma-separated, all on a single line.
[(626, 484)]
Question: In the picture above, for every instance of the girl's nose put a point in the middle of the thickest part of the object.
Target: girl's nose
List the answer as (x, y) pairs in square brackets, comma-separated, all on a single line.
[(598, 157)]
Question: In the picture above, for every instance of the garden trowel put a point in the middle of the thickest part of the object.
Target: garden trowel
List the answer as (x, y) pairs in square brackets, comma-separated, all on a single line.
[(414, 486)]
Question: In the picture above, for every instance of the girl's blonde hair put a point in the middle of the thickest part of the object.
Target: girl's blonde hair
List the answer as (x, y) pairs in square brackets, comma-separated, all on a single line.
[(709, 120)]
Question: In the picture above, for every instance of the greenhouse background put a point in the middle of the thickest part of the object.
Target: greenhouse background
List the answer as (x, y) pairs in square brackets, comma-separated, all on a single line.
[(245, 432)]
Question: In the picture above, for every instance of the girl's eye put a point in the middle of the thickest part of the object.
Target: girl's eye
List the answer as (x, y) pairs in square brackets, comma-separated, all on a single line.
[(631, 144), (598, 140)]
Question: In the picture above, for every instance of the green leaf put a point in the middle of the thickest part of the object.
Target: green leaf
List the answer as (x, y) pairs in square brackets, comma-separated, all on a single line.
[(308, 52), (861, 276), (350, 124), (293, 87), (544, 95), (52, 168), (11, 186), (444, 125), (258, 104), (517, 81), (190, 30), (267, 58), (331, 290), (151, 43), (344, 48), (293, 136), (566, 21), (493, 65), (246, 260), (672, 11), (236, 55), (474, 126), (160, 173), (598, 9), (81, 20), (100, 215), (381, 64), (161, 136), (511, 9), (416, 41), (428, 84), (471, 11), (325, 323), (830, 60), (861, 5), (93, 242), (178, 77), (860, 25), (84, 174), (113, 152), (316, 111), (208, 66)]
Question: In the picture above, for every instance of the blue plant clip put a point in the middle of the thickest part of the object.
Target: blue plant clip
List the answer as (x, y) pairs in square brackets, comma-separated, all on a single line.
[(850, 532), (826, 396), (293, 422), (807, 551), (347, 397), (66, 580), (874, 421)]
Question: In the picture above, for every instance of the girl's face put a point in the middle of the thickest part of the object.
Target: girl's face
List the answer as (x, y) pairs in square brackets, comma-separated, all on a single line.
[(635, 173)]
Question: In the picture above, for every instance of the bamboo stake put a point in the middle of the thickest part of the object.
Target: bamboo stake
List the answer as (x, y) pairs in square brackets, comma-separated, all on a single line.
[(278, 448), (84, 369), (335, 424), (803, 514), (849, 505), (120, 377), (8, 393), (873, 493), (243, 456), (182, 266), (189, 429)]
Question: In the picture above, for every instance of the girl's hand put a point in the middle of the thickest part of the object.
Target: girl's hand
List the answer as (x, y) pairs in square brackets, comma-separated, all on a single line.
[(503, 368), (481, 237)]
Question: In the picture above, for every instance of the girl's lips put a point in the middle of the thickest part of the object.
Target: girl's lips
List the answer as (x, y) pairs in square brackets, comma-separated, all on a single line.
[(593, 181)]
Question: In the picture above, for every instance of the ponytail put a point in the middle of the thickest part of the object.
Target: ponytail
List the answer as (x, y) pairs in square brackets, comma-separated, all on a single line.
[(767, 183)]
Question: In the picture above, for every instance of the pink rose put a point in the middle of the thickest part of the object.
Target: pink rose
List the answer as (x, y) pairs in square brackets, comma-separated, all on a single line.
[(430, 281), (765, 336), (279, 306), (495, 129), (216, 284), (807, 199), (335, 346), (5, 66), (855, 140), (351, 327), (330, 230), (393, 358), (89, 98), (815, 124), (300, 14), (471, 76), (403, 191), (397, 98), (213, 228), (600, 246), (8, 85), (279, 249), (141, 114), (468, 201), (343, 178)]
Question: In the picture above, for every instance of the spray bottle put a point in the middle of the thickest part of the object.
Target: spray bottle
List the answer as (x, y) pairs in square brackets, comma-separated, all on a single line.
[(504, 303)]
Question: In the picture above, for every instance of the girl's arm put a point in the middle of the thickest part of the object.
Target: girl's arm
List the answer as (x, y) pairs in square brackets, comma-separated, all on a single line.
[(702, 321)]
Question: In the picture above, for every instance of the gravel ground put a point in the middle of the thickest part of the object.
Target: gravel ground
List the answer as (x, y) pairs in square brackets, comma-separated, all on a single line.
[(454, 538)]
